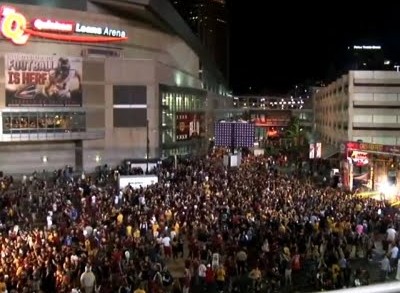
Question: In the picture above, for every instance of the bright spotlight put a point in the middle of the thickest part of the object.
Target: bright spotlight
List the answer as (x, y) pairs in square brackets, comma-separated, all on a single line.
[(388, 190)]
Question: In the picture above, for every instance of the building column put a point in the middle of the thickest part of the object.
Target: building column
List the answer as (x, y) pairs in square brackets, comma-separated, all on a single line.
[(79, 155)]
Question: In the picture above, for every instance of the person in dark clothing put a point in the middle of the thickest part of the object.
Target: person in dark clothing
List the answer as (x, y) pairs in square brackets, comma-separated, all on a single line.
[(49, 280)]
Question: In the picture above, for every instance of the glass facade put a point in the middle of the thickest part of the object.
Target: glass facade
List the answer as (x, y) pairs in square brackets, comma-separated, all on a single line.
[(175, 104), (43, 122)]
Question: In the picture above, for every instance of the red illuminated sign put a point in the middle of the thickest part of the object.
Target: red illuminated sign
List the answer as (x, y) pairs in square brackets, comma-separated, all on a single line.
[(371, 147), (359, 158), (14, 27)]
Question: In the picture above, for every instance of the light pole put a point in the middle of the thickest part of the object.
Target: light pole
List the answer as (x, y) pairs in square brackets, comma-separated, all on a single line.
[(147, 146)]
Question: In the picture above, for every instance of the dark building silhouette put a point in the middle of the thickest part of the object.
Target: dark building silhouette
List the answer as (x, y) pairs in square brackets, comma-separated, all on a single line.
[(367, 57), (209, 21)]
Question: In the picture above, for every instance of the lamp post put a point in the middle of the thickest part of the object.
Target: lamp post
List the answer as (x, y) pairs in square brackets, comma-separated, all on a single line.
[(147, 146)]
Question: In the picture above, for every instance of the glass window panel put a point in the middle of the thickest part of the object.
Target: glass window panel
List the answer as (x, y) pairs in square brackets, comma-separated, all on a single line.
[(15, 125), (178, 101), (173, 100), (32, 122), (42, 125), (61, 121), (83, 121), (49, 122), (74, 122), (77, 122), (192, 101), (64, 122), (173, 128), (187, 102), (6, 123), (24, 122)]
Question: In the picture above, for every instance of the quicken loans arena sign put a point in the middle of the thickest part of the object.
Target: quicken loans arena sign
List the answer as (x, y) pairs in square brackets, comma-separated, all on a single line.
[(15, 27)]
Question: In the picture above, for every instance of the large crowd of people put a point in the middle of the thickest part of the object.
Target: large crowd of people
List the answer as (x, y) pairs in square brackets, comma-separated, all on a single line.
[(245, 229)]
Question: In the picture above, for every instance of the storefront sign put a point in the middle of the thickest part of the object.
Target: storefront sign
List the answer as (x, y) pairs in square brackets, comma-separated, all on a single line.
[(371, 147), (16, 28)]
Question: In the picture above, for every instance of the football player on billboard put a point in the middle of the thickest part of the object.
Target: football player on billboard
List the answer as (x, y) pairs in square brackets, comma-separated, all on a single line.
[(59, 82)]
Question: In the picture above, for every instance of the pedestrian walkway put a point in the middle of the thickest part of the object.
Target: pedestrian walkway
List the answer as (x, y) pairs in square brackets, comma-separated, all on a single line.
[(176, 267)]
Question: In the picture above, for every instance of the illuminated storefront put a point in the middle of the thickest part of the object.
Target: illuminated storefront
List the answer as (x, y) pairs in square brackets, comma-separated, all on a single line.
[(93, 88), (374, 166), (182, 119)]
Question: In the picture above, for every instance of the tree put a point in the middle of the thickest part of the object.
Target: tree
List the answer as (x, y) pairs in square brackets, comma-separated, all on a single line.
[(295, 131), (246, 116)]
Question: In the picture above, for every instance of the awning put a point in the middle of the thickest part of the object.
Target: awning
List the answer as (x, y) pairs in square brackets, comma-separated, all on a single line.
[(329, 151)]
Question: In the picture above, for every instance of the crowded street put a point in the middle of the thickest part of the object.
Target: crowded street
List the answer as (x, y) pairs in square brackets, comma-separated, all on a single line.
[(198, 146), (203, 228)]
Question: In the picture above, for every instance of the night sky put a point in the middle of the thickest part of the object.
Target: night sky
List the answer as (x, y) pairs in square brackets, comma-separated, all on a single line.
[(275, 45)]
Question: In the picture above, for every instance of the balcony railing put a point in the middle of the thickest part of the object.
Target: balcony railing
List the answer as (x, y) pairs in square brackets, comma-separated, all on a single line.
[(87, 135)]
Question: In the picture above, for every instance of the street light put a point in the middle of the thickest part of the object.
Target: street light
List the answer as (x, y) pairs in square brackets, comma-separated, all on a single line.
[(147, 146)]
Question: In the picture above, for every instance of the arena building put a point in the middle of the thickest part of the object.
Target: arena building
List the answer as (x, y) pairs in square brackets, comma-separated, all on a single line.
[(85, 83)]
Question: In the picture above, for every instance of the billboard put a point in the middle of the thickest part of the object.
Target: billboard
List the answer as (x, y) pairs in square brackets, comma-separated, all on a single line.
[(137, 181), (189, 125), (37, 80), (267, 119), (234, 134), (358, 158)]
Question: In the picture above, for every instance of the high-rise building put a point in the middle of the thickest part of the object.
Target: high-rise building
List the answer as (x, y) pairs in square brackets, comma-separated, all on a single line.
[(359, 106), (209, 20)]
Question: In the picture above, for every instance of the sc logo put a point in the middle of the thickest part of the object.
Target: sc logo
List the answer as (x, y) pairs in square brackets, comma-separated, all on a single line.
[(13, 26)]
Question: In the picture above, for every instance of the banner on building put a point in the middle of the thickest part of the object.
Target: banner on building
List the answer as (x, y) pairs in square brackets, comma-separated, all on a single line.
[(312, 151), (318, 150), (188, 125), (37, 80), (315, 150)]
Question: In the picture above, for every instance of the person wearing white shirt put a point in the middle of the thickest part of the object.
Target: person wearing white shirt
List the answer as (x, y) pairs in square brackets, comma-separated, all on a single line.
[(390, 234), (394, 252), (88, 280), (49, 220), (172, 234), (166, 242), (202, 274), (93, 199), (385, 267), (142, 201), (215, 261)]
